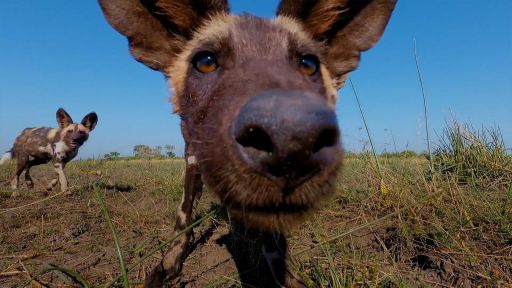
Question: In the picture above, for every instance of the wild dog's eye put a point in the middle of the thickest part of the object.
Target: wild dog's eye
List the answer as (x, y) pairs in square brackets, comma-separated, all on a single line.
[(205, 62), (309, 64)]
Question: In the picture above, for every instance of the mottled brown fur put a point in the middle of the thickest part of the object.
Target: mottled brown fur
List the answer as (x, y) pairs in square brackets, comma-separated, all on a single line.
[(41, 145), (254, 57)]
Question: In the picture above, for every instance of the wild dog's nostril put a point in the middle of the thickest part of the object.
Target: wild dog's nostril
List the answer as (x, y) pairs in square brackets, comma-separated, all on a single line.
[(327, 138), (256, 138)]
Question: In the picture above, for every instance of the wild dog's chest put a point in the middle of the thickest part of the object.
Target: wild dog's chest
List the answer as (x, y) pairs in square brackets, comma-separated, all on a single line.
[(62, 152)]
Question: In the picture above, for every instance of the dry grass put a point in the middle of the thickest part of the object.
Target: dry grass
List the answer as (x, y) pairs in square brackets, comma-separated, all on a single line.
[(427, 230), (442, 233), (474, 156)]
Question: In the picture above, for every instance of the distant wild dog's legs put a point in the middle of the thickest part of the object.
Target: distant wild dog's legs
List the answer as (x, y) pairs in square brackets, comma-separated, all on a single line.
[(21, 164), (173, 260), (28, 179), (59, 169), (54, 181), (52, 184)]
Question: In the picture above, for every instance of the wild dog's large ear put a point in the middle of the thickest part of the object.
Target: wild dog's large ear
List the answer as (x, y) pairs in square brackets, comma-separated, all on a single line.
[(157, 29), (347, 27), (90, 121), (63, 118)]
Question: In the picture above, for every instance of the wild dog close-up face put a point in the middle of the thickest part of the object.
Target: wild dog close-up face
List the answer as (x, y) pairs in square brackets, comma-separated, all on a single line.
[(259, 115), (41, 145), (256, 97)]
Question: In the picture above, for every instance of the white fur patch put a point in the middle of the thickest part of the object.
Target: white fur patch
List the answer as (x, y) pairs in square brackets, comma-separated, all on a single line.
[(191, 160), (60, 149), (7, 156), (182, 216)]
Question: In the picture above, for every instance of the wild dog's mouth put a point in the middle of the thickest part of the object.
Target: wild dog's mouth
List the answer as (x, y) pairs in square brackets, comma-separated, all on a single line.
[(75, 144), (286, 182), (272, 217), (285, 208), (274, 204)]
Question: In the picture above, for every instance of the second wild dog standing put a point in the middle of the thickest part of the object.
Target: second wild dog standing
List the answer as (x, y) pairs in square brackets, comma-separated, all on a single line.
[(41, 145)]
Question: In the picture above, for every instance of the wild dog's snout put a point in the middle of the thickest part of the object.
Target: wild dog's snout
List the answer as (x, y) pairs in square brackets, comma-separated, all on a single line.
[(286, 136)]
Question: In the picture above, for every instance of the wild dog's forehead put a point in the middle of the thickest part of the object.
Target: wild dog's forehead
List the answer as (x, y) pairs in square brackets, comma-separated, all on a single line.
[(250, 35), (76, 127), (70, 127), (81, 127), (241, 38), (275, 38)]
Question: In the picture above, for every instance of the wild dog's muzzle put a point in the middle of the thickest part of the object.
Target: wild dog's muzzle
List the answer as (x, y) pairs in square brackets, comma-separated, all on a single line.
[(287, 136)]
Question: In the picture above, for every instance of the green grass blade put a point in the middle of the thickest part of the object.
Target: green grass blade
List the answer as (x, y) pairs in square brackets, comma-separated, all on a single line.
[(366, 127), (424, 105), (162, 245), (70, 273), (122, 264)]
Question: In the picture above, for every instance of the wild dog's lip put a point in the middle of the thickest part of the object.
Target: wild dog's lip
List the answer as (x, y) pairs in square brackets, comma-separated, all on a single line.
[(290, 186)]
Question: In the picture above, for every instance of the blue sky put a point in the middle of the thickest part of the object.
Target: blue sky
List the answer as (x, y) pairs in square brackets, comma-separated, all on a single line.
[(62, 53)]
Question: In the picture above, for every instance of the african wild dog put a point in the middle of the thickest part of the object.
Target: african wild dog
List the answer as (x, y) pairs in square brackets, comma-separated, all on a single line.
[(256, 99), (39, 145)]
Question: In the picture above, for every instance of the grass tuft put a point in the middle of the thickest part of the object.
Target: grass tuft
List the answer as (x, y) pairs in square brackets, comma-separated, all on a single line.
[(474, 156)]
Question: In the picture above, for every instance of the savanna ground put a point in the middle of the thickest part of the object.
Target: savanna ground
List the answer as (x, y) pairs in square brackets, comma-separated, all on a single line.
[(403, 227)]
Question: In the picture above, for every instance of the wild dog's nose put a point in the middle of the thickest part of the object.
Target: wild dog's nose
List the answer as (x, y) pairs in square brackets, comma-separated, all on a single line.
[(286, 136)]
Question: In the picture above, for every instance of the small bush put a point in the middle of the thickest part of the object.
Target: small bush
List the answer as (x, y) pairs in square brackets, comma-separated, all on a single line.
[(474, 156)]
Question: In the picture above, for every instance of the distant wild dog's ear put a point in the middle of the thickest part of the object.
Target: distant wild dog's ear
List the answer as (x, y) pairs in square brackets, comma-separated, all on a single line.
[(347, 27), (157, 29), (90, 121), (63, 118)]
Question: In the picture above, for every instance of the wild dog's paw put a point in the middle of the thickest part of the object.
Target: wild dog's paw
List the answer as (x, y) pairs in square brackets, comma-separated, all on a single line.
[(52, 184), (156, 278), (29, 184), (159, 277)]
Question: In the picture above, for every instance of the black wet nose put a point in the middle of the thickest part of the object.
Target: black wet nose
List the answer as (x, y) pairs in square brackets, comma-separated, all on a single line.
[(282, 135)]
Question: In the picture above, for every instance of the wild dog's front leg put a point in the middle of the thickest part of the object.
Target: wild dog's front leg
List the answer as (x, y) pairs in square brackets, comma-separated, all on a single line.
[(59, 169), (15, 183), (28, 180), (52, 184), (174, 257)]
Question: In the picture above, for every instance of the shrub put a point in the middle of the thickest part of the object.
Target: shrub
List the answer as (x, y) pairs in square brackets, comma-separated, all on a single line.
[(474, 156)]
